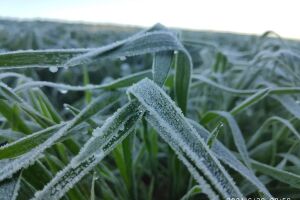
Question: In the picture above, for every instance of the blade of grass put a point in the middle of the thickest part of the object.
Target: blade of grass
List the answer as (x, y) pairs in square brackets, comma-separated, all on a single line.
[(170, 123), (225, 155), (104, 140)]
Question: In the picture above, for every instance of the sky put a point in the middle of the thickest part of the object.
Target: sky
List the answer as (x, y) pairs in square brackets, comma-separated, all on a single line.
[(240, 16)]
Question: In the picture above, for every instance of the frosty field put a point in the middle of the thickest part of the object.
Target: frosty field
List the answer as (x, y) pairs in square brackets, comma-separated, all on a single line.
[(105, 112)]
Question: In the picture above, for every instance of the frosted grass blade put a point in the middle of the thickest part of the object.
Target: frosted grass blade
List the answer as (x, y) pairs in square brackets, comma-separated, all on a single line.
[(225, 155), (37, 58), (11, 96), (104, 139), (9, 188), (119, 83), (235, 131), (253, 139), (289, 104), (161, 66), (286, 177), (194, 190), (170, 123), (28, 158), (182, 79)]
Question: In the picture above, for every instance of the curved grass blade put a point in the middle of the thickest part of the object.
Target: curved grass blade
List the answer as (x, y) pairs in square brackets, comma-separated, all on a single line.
[(193, 191), (104, 140), (225, 155), (269, 121), (46, 107), (10, 95), (27, 143), (253, 99), (161, 66), (170, 123), (10, 134), (222, 87), (12, 116), (182, 79), (236, 133), (151, 42), (155, 39), (283, 176), (250, 101), (38, 58), (290, 104), (9, 188), (213, 136), (273, 90), (28, 158), (119, 83)]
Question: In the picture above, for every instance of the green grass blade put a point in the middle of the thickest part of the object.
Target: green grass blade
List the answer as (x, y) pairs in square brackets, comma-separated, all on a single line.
[(27, 143), (290, 104), (182, 79), (26, 159), (236, 133), (222, 87), (10, 134), (104, 140), (119, 83), (9, 188), (10, 95), (161, 66), (38, 58), (12, 115), (170, 123), (225, 155), (250, 101), (193, 191), (213, 136), (254, 138), (283, 176)]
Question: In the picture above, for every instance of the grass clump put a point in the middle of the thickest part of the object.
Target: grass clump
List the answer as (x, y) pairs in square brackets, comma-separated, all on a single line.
[(152, 116)]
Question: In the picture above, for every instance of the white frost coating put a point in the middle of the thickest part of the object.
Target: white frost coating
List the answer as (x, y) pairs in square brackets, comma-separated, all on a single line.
[(172, 122), (39, 58), (13, 74), (206, 188), (93, 152), (28, 158), (138, 44), (162, 40), (161, 65), (79, 50), (227, 157), (11, 135), (237, 136), (66, 178), (32, 136), (62, 86), (110, 128), (9, 187), (289, 104)]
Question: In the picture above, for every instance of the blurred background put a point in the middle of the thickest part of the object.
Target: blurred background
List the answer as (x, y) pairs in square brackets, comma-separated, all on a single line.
[(251, 17)]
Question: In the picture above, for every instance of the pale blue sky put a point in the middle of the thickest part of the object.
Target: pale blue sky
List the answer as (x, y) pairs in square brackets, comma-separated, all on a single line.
[(243, 16)]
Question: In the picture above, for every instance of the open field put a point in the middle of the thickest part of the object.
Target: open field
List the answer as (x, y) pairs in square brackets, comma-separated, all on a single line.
[(108, 112)]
